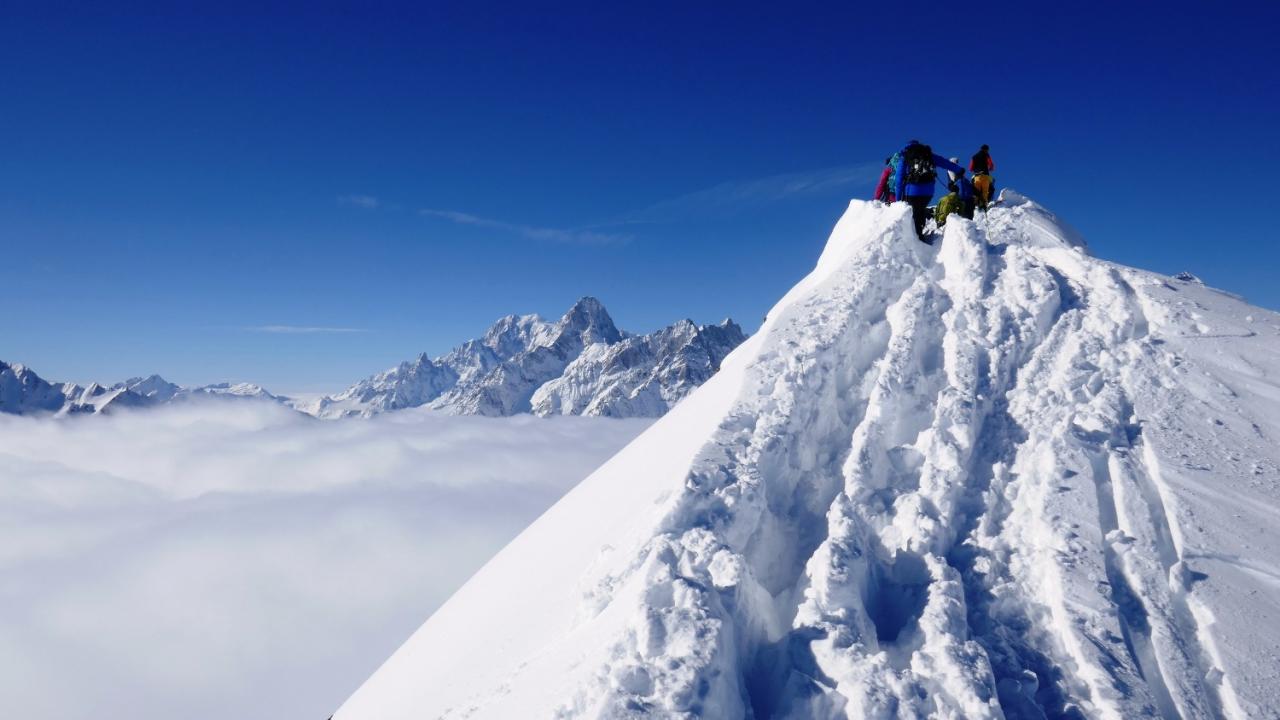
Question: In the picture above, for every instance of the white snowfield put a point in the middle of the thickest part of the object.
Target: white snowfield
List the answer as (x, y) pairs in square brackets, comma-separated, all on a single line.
[(995, 478)]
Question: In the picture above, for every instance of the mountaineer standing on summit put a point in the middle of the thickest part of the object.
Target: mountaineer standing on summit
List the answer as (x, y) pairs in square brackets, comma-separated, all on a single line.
[(915, 170), (981, 165)]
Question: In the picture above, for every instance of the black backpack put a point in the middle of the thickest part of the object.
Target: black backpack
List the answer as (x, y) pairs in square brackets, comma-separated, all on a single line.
[(917, 165), (979, 162)]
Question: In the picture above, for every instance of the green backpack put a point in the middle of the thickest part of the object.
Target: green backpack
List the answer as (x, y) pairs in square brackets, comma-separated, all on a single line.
[(947, 205)]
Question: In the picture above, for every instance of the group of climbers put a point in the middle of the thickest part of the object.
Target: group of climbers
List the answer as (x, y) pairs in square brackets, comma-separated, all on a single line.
[(909, 175)]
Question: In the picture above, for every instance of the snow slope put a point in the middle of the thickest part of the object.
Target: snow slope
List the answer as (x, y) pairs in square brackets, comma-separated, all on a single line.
[(994, 478)]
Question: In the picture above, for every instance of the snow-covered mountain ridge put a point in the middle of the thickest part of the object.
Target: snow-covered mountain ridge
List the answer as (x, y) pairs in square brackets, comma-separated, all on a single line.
[(995, 478), (580, 364), (23, 392)]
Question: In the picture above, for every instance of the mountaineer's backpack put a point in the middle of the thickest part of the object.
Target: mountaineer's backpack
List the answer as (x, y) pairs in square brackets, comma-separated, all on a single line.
[(980, 163), (892, 182), (917, 165), (949, 204)]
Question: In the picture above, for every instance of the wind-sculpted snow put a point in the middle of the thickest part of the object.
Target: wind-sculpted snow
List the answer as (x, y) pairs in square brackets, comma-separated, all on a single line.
[(995, 478)]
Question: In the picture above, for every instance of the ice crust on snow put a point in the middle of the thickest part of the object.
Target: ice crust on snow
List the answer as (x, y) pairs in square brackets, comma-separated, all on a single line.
[(996, 478)]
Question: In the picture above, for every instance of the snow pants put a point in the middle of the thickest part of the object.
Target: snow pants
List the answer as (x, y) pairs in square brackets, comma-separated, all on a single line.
[(983, 187), (919, 211)]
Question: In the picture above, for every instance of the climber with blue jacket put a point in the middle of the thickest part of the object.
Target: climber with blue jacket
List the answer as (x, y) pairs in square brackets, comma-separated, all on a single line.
[(915, 170)]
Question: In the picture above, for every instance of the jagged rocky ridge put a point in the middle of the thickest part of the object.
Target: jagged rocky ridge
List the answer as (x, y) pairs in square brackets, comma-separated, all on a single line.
[(581, 364), (995, 478)]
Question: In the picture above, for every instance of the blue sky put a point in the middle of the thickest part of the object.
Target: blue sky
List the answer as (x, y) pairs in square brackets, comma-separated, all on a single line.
[(302, 195)]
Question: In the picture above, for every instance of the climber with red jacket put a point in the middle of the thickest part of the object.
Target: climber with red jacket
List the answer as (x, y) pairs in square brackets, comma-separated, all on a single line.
[(981, 165), (915, 169)]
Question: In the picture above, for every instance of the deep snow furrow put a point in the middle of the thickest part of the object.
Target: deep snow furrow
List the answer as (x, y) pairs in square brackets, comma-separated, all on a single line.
[(1157, 564), (1131, 611), (866, 595), (984, 346), (933, 665), (1024, 319), (1155, 676), (1141, 556), (1142, 551), (730, 561), (1010, 583)]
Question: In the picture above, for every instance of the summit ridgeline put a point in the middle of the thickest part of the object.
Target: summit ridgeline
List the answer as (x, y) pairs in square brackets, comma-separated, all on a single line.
[(994, 477)]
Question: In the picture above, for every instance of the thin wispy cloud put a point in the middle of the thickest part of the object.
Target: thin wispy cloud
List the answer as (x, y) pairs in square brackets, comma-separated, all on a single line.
[(368, 202), (554, 235), (733, 197), (304, 329)]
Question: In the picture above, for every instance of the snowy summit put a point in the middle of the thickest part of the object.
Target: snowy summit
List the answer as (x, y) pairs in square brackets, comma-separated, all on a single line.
[(996, 478)]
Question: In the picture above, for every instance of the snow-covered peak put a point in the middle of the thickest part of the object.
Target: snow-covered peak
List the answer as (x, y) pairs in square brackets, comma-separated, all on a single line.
[(153, 386), (523, 357), (244, 390), (23, 391), (641, 375), (591, 322), (995, 478), (513, 334)]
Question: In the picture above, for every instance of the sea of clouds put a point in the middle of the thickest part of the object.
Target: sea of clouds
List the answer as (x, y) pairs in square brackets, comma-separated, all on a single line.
[(239, 560)]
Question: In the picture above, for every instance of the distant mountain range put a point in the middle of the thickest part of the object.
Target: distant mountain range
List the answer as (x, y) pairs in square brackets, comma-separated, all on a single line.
[(23, 392), (581, 364)]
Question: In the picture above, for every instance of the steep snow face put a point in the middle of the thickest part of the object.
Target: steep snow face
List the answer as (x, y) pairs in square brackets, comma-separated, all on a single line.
[(994, 478), (643, 375), (581, 364)]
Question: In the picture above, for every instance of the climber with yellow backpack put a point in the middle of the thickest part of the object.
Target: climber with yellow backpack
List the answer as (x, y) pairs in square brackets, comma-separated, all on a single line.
[(984, 186)]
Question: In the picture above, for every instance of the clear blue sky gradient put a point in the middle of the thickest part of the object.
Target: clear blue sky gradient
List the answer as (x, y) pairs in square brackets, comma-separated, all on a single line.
[(174, 180)]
